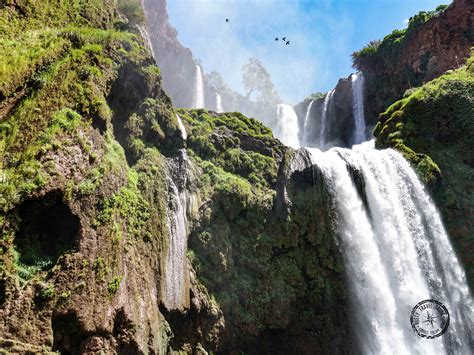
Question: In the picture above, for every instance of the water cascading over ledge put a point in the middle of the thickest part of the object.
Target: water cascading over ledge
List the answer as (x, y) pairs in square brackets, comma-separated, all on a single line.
[(176, 279), (198, 100), (396, 250)]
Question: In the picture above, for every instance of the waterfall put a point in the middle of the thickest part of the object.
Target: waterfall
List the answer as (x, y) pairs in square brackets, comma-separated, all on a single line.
[(198, 100), (324, 118), (184, 135), (305, 137), (176, 278), (146, 37), (219, 108), (358, 107), (396, 252), (287, 127)]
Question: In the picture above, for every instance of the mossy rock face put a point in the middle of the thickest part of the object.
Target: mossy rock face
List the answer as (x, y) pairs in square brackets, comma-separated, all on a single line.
[(433, 126), (89, 137), (82, 199), (271, 265)]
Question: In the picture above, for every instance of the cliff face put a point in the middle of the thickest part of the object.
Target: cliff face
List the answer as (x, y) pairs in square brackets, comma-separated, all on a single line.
[(96, 180), (176, 62), (411, 57)]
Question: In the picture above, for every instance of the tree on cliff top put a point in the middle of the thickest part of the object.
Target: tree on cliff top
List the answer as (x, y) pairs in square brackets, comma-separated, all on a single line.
[(257, 80)]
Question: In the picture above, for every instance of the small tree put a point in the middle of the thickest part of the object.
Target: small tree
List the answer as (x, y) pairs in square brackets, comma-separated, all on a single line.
[(214, 79), (257, 80)]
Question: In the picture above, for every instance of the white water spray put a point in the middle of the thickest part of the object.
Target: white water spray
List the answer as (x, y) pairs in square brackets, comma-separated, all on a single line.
[(184, 135), (287, 127), (396, 252), (198, 100), (176, 292), (219, 103), (358, 107), (324, 119)]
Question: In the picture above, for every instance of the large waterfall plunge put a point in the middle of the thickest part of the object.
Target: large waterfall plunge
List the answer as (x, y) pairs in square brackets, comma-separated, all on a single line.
[(287, 127), (176, 285), (358, 107), (198, 99), (397, 253)]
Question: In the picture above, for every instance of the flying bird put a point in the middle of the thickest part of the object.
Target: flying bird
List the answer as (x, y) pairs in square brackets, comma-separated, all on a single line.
[(226, 20), (284, 38), (287, 42), (276, 38)]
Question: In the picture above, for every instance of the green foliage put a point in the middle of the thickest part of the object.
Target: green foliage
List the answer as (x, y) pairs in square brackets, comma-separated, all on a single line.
[(126, 205), (218, 139), (132, 9), (113, 285), (46, 292)]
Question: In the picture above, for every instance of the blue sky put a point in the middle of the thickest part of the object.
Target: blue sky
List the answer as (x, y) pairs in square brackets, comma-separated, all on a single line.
[(323, 34)]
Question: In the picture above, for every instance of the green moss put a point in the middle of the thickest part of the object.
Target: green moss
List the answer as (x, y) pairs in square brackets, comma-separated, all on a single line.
[(239, 145), (47, 292), (113, 285)]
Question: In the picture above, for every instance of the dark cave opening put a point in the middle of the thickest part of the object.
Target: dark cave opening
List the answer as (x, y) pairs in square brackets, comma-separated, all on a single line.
[(67, 333), (47, 228), (3, 290)]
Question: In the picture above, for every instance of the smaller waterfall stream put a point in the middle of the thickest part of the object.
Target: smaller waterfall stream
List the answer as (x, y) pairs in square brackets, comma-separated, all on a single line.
[(287, 128), (305, 137), (176, 285), (198, 100), (358, 107), (146, 36), (184, 135), (219, 108), (324, 119)]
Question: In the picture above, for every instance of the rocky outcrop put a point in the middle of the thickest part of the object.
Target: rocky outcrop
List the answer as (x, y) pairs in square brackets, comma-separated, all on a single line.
[(409, 58)]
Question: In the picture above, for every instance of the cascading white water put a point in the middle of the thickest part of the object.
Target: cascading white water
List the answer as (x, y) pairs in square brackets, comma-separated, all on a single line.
[(219, 103), (198, 100), (358, 107), (305, 138), (324, 118), (176, 285), (184, 135), (287, 127), (396, 251), (146, 37)]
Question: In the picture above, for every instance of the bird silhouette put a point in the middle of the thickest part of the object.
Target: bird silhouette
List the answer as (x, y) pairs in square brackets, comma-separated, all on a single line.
[(226, 20), (276, 38), (287, 42), (284, 38)]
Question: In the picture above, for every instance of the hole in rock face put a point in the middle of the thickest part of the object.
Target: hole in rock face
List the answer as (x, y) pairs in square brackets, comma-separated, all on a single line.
[(3, 290), (67, 333), (47, 228)]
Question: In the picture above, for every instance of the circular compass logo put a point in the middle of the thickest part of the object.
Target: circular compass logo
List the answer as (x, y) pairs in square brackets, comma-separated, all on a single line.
[(429, 319)]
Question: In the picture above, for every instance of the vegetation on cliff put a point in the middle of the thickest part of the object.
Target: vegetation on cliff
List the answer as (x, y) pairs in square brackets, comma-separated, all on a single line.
[(84, 126), (393, 42)]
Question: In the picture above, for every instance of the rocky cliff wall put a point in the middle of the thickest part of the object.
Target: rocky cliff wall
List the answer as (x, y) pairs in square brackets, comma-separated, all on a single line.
[(411, 57)]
